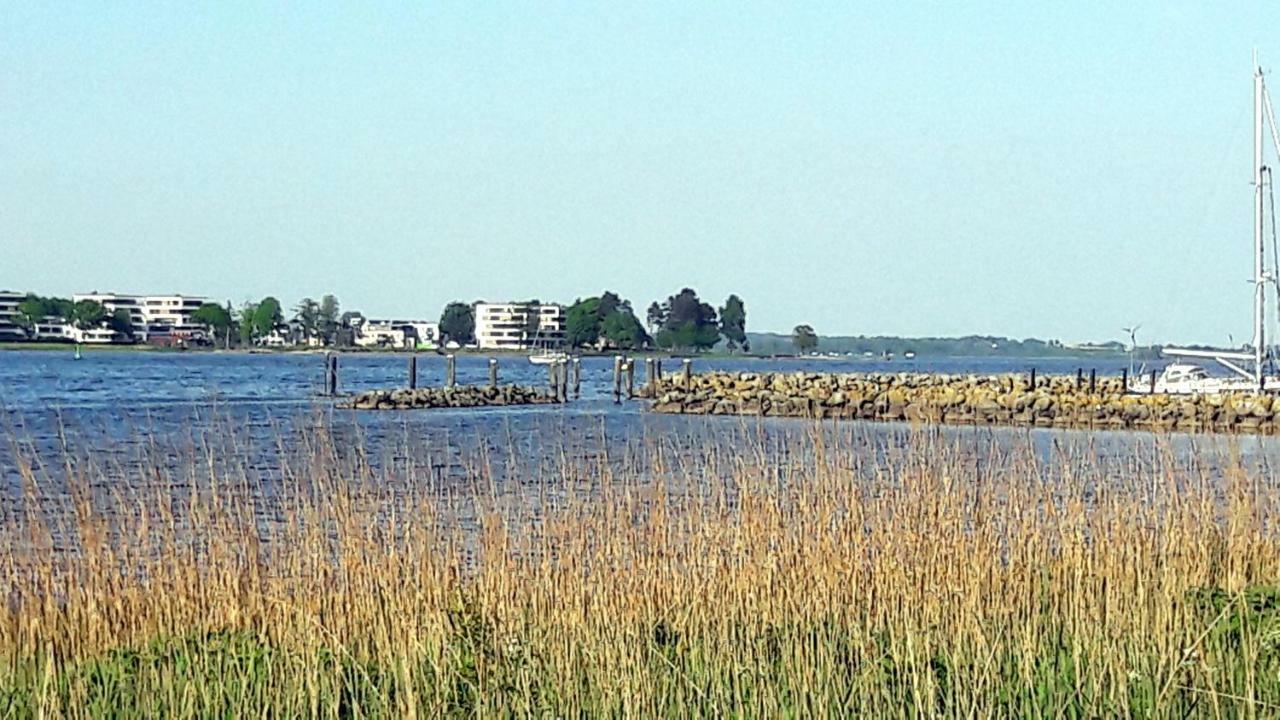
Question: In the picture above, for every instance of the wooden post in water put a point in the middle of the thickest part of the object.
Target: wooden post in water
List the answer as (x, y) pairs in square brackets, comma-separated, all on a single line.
[(1033, 378), (552, 367), (413, 371), (1093, 380), (577, 378), (688, 374), (1124, 380), (330, 374), (617, 379), (631, 378), (450, 370), (1153, 381), (493, 372), (657, 369), (1079, 378), (650, 380)]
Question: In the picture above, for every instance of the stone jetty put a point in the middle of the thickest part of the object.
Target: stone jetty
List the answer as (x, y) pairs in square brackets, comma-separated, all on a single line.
[(1054, 401), (449, 397)]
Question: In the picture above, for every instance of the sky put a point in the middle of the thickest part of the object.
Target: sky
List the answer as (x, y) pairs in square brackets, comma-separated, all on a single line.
[(1052, 170)]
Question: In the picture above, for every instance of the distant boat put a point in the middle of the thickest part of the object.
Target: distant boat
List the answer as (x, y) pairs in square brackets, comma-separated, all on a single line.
[(547, 357), (909, 355)]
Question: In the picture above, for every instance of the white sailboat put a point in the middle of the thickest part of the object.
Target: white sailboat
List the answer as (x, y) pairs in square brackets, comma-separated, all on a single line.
[(1183, 378)]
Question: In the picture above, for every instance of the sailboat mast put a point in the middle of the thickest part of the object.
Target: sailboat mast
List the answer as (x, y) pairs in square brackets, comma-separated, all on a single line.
[(1258, 280)]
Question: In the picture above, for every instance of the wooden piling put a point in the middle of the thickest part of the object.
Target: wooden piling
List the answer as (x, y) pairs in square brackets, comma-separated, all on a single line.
[(1093, 380), (1124, 380), (1153, 381), (493, 372), (577, 378), (1079, 378), (688, 374), (650, 380), (450, 370), (1033, 378), (413, 372), (617, 378), (330, 374), (552, 382), (631, 378)]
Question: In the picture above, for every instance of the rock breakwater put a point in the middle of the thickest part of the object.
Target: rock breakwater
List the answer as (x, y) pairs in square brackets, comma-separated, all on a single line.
[(454, 397), (1054, 401)]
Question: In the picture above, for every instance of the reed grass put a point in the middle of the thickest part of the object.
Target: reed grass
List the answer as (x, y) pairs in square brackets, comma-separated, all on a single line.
[(827, 573)]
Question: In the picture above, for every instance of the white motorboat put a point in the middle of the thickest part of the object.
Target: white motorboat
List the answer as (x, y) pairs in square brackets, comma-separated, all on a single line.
[(1186, 378)]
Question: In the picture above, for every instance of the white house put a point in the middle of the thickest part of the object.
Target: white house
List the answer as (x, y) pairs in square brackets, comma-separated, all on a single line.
[(396, 333)]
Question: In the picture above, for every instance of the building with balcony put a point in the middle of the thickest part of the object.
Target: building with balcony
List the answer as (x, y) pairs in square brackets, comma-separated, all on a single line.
[(519, 326), (9, 329)]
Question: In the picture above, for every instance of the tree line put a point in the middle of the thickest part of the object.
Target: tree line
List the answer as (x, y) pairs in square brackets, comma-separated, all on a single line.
[(608, 321)]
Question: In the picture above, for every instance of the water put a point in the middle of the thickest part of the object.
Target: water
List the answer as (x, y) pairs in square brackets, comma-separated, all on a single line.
[(205, 417)]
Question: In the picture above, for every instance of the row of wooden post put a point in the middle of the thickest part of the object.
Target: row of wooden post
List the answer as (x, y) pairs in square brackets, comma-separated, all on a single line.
[(564, 377)]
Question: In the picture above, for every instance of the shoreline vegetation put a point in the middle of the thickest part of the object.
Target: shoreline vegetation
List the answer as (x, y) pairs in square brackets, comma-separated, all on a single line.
[(825, 573), (713, 354)]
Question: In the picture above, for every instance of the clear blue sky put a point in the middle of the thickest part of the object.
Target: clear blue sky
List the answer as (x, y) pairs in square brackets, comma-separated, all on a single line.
[(1055, 170)]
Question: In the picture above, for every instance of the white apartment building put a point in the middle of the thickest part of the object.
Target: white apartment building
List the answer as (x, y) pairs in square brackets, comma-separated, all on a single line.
[(166, 316), (509, 326), (397, 333), (9, 330)]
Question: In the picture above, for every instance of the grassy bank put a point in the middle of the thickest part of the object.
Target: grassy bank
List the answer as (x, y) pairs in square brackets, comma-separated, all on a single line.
[(829, 576)]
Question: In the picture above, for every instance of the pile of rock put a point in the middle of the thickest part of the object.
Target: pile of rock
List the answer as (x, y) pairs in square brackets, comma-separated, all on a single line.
[(454, 397), (963, 399)]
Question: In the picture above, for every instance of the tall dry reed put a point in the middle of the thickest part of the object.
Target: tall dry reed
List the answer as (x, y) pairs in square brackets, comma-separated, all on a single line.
[(828, 572)]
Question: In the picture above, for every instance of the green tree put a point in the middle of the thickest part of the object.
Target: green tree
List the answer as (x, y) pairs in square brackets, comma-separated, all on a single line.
[(31, 311), (733, 323), (458, 323), (582, 323), (804, 339), (217, 318), (330, 319), (307, 313), (623, 330), (655, 316), (122, 324), (88, 314), (267, 316), (690, 324), (245, 320)]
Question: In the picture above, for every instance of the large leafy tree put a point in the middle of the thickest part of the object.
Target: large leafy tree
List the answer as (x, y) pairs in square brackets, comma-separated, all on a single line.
[(604, 320), (35, 309), (690, 324), (245, 319), (804, 338), (88, 314), (655, 316), (330, 319), (733, 323), (582, 323), (458, 323), (122, 323), (623, 330), (217, 318), (307, 313), (267, 316)]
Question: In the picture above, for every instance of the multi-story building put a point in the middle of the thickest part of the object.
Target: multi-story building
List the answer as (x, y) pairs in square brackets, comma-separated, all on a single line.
[(9, 330), (164, 318), (519, 326), (397, 333)]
